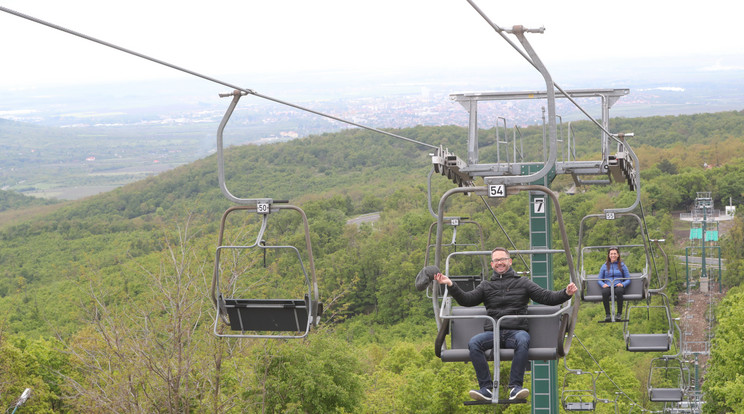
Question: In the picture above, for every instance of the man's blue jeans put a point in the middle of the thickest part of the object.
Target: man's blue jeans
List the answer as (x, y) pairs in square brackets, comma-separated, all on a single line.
[(517, 340)]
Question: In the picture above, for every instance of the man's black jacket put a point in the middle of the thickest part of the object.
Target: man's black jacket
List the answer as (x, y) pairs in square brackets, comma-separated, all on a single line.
[(507, 294)]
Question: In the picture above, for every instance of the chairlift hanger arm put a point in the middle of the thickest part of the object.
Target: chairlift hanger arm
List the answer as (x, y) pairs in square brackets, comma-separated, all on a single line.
[(484, 170), (552, 129), (634, 178)]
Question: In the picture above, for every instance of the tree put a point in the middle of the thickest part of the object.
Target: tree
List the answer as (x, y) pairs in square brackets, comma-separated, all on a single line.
[(156, 356), (319, 374), (667, 167), (409, 379), (724, 384), (34, 364)]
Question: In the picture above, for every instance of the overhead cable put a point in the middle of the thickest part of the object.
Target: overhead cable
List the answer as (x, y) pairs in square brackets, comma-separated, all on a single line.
[(496, 219), (190, 72), (603, 371)]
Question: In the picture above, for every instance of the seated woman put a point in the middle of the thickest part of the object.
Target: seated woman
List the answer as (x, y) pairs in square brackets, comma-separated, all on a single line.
[(613, 273)]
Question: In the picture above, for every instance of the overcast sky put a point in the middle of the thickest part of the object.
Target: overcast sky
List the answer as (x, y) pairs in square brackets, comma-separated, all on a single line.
[(229, 38)]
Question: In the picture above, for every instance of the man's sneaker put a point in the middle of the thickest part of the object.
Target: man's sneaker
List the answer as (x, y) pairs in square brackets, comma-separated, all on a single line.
[(484, 394), (518, 393)]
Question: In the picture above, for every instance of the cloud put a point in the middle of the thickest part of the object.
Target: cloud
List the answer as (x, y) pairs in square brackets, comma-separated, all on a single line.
[(16, 112), (718, 67), (664, 88)]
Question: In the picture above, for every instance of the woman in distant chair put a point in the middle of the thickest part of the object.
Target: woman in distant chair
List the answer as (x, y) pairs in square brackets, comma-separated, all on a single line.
[(613, 275)]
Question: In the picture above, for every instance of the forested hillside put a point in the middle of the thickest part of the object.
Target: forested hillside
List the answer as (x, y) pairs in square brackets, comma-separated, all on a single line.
[(106, 300), (10, 200)]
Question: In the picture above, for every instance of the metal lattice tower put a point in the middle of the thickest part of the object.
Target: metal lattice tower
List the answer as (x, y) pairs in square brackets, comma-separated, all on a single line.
[(513, 171), (704, 235)]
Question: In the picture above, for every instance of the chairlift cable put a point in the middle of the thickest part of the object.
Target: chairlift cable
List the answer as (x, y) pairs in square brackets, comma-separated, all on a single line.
[(190, 72), (653, 259), (602, 369)]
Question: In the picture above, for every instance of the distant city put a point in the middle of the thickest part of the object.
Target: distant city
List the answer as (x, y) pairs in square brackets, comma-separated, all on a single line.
[(106, 135), (377, 100)]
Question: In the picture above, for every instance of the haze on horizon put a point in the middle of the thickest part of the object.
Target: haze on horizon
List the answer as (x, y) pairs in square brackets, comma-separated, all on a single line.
[(295, 38)]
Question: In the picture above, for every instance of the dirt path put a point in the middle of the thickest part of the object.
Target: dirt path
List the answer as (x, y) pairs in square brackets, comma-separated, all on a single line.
[(696, 312)]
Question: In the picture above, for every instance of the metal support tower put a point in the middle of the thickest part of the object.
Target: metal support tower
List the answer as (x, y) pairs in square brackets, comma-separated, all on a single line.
[(544, 373), (702, 217), (545, 392), (541, 171), (475, 168)]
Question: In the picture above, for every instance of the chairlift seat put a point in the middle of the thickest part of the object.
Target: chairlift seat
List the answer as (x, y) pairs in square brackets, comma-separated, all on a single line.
[(657, 342), (637, 289), (544, 333), (579, 406), (665, 394), (267, 314)]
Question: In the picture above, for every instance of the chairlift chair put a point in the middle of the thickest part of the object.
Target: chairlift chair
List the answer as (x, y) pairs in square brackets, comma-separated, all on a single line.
[(590, 289), (592, 292), (551, 326), (466, 282), (548, 325), (662, 388), (264, 318), (574, 399), (649, 342), (261, 315)]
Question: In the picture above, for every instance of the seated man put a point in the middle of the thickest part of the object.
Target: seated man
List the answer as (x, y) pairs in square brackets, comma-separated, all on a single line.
[(506, 293)]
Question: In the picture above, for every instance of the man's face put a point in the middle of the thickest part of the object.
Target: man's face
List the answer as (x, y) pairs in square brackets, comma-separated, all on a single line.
[(500, 261)]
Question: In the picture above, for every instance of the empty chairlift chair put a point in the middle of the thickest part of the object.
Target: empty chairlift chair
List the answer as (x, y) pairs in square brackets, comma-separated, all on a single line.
[(579, 390), (638, 337), (666, 380), (262, 317), (469, 276), (465, 280)]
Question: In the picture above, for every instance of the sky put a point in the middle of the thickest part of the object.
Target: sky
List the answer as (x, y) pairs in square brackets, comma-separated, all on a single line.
[(229, 39)]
